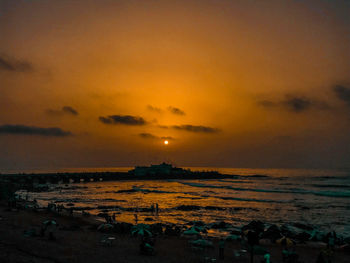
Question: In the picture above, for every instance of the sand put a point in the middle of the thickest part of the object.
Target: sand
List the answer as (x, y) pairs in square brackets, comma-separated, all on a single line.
[(77, 240)]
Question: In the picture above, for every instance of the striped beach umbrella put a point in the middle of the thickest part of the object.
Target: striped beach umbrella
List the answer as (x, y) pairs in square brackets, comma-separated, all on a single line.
[(190, 232), (141, 230)]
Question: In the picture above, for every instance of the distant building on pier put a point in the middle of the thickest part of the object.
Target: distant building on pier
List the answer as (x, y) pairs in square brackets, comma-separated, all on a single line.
[(158, 169)]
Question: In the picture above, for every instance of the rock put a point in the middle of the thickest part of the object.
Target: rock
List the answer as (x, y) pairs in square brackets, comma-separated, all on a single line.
[(219, 225), (290, 231), (272, 233), (196, 223), (317, 236), (235, 230), (255, 225), (303, 226)]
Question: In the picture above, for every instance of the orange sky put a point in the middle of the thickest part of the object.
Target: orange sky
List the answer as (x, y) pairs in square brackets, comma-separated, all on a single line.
[(231, 83)]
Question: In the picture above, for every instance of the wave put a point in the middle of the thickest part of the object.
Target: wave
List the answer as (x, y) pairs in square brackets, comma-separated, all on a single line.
[(279, 191), (254, 176), (249, 199), (330, 185), (333, 194), (218, 208), (137, 189), (81, 200), (245, 189)]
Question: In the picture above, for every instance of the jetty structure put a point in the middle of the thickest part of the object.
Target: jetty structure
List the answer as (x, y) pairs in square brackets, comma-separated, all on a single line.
[(161, 171)]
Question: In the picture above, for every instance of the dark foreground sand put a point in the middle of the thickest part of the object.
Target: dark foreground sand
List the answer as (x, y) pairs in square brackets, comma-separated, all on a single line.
[(83, 244)]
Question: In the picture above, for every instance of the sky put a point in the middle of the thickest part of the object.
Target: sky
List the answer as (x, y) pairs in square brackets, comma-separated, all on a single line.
[(257, 84)]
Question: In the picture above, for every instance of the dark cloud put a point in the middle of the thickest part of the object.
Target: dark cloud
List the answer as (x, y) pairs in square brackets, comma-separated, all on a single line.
[(13, 65), (195, 128), (69, 110), (343, 93), (147, 136), (296, 104), (155, 109), (151, 136), (65, 110), (123, 119), (176, 111), (32, 130)]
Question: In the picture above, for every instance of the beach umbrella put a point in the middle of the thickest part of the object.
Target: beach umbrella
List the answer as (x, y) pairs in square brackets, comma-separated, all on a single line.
[(50, 222), (141, 230), (285, 241), (199, 228), (104, 227), (201, 243), (191, 231), (232, 238)]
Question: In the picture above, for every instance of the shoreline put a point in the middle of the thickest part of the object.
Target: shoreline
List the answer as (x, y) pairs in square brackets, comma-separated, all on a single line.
[(78, 240)]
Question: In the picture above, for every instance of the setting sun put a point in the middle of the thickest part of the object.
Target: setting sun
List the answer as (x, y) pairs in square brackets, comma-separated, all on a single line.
[(166, 142)]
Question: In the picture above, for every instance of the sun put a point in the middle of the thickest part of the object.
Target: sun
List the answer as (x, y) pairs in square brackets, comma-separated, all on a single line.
[(166, 142)]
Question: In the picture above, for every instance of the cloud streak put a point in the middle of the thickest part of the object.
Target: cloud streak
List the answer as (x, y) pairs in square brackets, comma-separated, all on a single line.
[(195, 128), (296, 104), (154, 109), (64, 110), (176, 111), (342, 93), (146, 135), (33, 130), (123, 119), (13, 65)]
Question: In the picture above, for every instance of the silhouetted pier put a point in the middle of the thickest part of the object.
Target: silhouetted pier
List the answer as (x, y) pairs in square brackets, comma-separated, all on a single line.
[(66, 178)]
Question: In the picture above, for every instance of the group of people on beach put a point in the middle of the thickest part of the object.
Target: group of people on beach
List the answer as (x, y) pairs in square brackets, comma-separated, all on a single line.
[(154, 209), (110, 219), (250, 238)]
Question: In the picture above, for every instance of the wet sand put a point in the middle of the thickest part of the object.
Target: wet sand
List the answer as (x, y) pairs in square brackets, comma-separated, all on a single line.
[(77, 240)]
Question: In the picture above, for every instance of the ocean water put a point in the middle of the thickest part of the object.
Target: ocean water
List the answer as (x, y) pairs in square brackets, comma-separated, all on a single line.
[(277, 196)]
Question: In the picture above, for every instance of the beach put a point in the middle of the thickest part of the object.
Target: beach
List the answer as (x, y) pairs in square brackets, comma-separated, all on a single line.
[(283, 196), (78, 240)]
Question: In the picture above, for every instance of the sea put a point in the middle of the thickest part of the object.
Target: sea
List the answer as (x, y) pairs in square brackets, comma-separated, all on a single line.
[(320, 198)]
